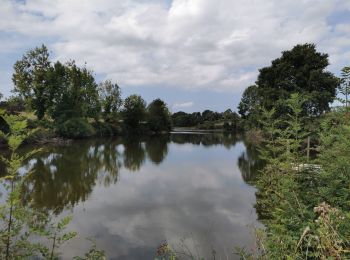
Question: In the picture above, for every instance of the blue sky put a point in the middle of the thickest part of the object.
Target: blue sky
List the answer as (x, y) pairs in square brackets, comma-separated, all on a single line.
[(194, 54)]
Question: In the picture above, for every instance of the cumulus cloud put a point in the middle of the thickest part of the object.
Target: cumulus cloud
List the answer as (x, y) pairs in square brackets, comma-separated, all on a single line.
[(192, 44)]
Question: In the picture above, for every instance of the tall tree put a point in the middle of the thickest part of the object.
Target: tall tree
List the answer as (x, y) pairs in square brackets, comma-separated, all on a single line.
[(134, 112), (110, 95), (74, 92), (158, 116), (249, 102), (299, 70), (30, 79)]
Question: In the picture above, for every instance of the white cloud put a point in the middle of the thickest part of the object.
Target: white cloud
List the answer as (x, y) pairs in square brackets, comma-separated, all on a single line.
[(216, 45), (183, 105)]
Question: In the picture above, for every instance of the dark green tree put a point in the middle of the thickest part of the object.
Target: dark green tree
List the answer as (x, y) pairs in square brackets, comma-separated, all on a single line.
[(158, 116), (74, 92), (134, 112), (30, 79), (299, 70)]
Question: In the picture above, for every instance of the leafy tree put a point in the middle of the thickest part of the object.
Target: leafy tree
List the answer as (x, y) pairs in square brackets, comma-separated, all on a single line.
[(134, 112), (110, 95), (344, 87), (30, 79), (158, 116), (299, 70), (249, 102), (209, 115), (74, 92)]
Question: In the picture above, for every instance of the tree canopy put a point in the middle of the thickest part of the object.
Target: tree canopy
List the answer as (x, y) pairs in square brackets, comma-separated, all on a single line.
[(134, 112), (299, 70), (30, 79), (158, 116)]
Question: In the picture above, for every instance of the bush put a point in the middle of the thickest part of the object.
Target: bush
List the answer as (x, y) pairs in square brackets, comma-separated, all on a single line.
[(43, 123), (76, 128), (106, 128), (40, 136)]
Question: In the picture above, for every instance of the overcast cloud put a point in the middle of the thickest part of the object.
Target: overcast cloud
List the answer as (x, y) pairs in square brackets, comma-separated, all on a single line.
[(184, 44)]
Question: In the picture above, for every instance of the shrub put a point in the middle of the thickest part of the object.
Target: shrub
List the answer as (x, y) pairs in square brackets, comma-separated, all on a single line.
[(43, 123), (41, 135), (106, 128), (76, 128)]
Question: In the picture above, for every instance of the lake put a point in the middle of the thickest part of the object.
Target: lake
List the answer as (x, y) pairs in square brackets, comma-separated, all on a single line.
[(130, 195)]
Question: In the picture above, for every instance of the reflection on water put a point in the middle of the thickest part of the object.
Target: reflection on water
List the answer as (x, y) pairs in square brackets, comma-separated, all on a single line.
[(131, 194)]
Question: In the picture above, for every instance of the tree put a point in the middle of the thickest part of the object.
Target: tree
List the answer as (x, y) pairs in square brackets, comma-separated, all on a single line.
[(30, 79), (158, 116), (208, 115), (249, 101), (110, 95), (74, 92), (299, 70), (344, 87), (134, 112)]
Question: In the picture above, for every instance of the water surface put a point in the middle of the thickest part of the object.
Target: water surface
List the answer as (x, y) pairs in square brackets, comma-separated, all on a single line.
[(190, 190)]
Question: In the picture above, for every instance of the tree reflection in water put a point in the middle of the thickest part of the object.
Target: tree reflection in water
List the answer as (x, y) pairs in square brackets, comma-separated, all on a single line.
[(249, 163), (63, 176)]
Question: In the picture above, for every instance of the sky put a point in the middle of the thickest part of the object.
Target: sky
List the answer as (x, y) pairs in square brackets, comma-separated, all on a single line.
[(193, 54)]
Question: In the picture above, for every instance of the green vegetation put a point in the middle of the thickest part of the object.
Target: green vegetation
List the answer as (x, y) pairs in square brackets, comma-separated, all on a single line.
[(73, 105), (299, 70), (303, 193), (303, 201), (208, 120), (158, 116), (20, 223)]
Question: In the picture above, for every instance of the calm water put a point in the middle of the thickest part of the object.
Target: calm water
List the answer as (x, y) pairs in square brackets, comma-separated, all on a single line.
[(130, 195)]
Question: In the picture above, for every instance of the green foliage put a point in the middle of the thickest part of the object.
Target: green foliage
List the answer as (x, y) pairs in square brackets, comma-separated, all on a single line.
[(76, 127), (107, 128), (93, 254), (19, 223), (299, 70), (209, 120), (334, 158), (110, 95), (134, 112), (13, 104), (30, 79), (158, 116), (74, 92), (249, 103), (305, 208)]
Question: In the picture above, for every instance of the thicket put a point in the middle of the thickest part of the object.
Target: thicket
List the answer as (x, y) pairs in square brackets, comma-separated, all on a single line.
[(303, 196)]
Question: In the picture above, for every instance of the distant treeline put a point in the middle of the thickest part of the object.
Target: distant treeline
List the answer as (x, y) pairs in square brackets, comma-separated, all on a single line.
[(64, 99), (209, 120)]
